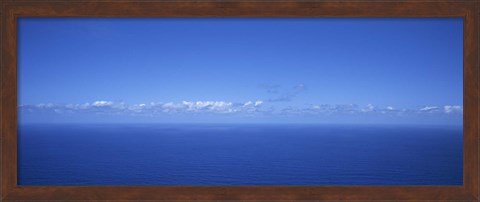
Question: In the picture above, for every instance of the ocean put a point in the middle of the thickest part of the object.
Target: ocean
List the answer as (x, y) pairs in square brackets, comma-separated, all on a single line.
[(239, 154)]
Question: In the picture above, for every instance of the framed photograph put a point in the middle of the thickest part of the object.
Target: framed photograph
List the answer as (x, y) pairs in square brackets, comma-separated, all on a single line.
[(239, 100)]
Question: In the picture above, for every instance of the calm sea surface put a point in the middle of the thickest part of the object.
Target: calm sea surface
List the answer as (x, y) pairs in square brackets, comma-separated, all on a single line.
[(201, 154)]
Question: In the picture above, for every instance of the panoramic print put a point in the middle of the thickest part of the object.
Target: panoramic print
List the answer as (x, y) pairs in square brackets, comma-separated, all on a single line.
[(240, 101)]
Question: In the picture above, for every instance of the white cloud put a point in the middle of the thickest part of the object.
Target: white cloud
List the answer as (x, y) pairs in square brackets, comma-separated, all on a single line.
[(226, 107), (171, 105), (253, 104), (368, 108), (49, 105), (249, 103), (137, 107), (452, 109), (102, 103), (208, 106), (429, 108)]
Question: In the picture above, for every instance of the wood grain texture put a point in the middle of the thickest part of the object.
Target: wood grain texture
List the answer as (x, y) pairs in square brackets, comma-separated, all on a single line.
[(2, 66), (239, 8), (471, 101), (11, 10), (9, 102), (241, 192)]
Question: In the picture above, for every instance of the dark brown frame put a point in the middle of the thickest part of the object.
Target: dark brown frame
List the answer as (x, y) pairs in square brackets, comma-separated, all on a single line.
[(11, 10)]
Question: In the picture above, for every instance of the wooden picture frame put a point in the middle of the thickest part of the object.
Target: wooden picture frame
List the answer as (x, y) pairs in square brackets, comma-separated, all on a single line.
[(12, 10)]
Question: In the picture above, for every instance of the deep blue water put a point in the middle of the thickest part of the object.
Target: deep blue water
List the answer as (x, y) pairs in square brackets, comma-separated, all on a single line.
[(225, 154)]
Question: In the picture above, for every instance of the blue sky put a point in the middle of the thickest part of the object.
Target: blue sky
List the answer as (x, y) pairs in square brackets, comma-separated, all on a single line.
[(236, 70)]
